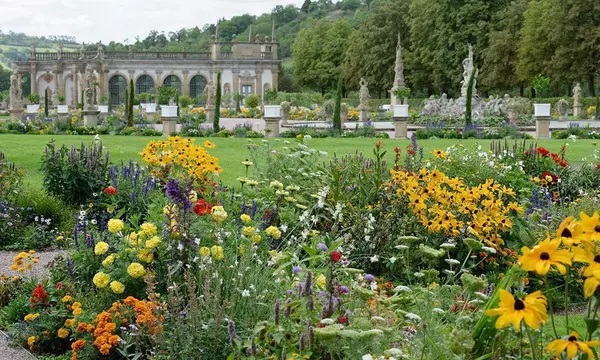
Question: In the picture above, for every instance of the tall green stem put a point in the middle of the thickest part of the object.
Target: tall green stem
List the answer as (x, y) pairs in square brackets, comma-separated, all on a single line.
[(549, 296), (567, 299), (533, 352)]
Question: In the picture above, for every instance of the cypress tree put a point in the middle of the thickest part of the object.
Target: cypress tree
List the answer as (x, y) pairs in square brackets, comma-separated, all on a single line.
[(126, 102), (468, 114), (337, 119), (177, 102), (46, 102), (82, 100), (598, 103), (217, 104), (130, 104)]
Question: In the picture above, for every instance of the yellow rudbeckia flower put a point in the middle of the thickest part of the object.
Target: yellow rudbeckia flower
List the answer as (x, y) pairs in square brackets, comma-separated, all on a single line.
[(544, 255), (512, 310)]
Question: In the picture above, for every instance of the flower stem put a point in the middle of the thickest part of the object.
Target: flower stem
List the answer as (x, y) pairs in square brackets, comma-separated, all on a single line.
[(533, 353), (567, 299), (550, 305)]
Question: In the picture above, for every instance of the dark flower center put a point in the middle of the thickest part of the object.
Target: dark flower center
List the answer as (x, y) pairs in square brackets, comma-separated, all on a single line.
[(597, 258), (566, 233), (572, 338), (519, 304), (597, 228), (545, 256)]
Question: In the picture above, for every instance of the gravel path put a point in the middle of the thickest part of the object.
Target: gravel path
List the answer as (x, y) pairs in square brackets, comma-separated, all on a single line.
[(6, 260)]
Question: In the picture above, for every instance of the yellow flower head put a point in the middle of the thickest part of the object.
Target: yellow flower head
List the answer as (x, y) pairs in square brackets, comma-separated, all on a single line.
[(273, 232), (248, 231), (321, 281), (543, 255), (117, 287), (569, 232), (590, 226), (101, 248), (216, 252), (110, 259), (440, 154), (69, 322), (63, 333), (101, 280), (512, 310), (153, 242), (256, 239), (136, 270), (148, 229), (115, 225), (31, 341), (245, 218), (218, 213), (209, 144), (66, 299), (204, 251), (572, 346), (31, 317), (146, 255)]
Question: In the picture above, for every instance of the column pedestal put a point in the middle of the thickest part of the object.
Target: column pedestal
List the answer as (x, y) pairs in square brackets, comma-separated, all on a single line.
[(90, 117), (363, 113), (272, 127), (542, 127), (169, 126), (577, 110), (210, 114), (400, 127), (16, 114)]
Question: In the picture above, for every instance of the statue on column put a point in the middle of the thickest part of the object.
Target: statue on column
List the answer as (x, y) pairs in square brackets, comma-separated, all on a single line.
[(82, 51), (16, 93), (364, 94), (577, 100), (89, 89), (55, 101), (100, 53), (209, 93), (399, 72), (32, 51), (60, 50), (468, 66)]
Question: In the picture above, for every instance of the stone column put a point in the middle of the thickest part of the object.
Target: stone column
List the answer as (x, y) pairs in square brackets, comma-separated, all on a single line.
[(542, 127), (401, 127), (75, 75), (236, 81), (33, 74), (275, 74), (131, 77), (272, 127), (185, 86), (259, 84), (158, 81), (104, 84)]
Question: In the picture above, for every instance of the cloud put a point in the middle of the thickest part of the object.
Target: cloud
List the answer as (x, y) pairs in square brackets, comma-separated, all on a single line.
[(116, 20)]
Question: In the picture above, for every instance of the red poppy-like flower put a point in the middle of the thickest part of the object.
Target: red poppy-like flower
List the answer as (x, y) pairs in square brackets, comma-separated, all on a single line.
[(39, 295), (343, 320), (598, 166), (111, 190), (563, 163), (335, 256), (543, 151), (554, 177), (59, 285), (202, 207)]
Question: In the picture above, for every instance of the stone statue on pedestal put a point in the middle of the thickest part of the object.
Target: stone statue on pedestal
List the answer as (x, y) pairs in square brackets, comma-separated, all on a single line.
[(32, 51), (60, 50), (16, 93), (82, 51), (364, 94), (209, 93), (399, 73), (55, 101), (468, 66), (89, 89), (577, 100)]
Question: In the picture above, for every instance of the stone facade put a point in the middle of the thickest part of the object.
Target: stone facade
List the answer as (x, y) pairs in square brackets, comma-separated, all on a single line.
[(246, 67)]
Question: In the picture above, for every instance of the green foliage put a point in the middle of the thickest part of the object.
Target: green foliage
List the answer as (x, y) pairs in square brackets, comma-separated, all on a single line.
[(131, 96), (541, 84), (216, 126), (185, 101), (165, 93), (252, 101), (46, 102), (34, 98), (270, 97), (337, 119)]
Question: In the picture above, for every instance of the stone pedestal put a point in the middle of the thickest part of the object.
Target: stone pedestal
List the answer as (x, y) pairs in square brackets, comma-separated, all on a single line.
[(577, 110), (513, 117), (90, 117), (542, 127), (16, 114), (363, 113), (285, 116), (169, 125), (210, 114), (272, 127), (401, 127), (61, 119)]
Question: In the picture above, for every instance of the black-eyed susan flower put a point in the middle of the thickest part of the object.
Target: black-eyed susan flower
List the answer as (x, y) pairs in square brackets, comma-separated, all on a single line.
[(544, 255), (572, 346), (569, 232), (513, 310), (590, 226)]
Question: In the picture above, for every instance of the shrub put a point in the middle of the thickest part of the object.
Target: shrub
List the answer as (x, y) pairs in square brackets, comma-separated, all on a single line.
[(74, 174), (252, 101), (131, 189)]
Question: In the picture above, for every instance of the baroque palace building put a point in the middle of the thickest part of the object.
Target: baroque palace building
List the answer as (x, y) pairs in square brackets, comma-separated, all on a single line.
[(250, 67)]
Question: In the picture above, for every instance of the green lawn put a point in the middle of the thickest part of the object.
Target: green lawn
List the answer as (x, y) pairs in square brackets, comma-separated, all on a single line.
[(26, 150)]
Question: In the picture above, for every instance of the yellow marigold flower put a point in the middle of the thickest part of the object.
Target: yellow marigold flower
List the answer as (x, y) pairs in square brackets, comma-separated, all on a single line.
[(512, 310), (218, 213), (256, 239), (153, 242), (66, 299), (217, 252), (115, 225), (273, 232), (543, 255), (31, 317), (101, 248), (76, 305), (245, 218), (77, 311), (572, 346), (60, 238), (62, 333), (149, 229), (136, 270), (101, 280), (110, 259), (146, 255), (31, 341), (69, 322), (117, 287), (248, 231), (204, 251)]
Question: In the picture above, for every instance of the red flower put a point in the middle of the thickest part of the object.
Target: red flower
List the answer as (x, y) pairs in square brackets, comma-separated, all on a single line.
[(39, 295), (202, 207), (335, 256), (543, 151), (563, 163), (111, 190), (598, 166), (59, 285), (554, 177), (343, 320)]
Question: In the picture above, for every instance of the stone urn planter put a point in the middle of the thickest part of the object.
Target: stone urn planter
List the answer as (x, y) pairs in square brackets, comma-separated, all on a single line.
[(62, 109), (168, 111), (151, 108), (541, 110), (400, 111), (103, 109), (33, 109), (272, 111)]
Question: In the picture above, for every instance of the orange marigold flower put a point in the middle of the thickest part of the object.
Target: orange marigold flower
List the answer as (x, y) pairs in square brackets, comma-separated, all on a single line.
[(78, 345)]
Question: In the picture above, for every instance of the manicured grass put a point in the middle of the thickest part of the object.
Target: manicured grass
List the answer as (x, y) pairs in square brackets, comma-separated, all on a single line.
[(26, 150)]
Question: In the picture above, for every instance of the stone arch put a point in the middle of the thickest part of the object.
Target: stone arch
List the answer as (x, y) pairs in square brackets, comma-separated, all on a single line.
[(197, 84), (174, 81), (117, 89), (144, 83)]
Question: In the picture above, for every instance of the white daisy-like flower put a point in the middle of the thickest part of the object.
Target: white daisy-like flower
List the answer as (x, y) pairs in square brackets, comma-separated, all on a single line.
[(393, 259), (452, 261), (374, 258), (245, 293)]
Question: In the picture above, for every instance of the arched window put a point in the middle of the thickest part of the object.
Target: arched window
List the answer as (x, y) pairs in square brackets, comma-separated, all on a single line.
[(117, 88), (197, 85), (173, 81), (144, 84)]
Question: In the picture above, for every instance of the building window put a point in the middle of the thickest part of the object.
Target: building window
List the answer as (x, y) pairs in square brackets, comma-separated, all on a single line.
[(173, 81), (197, 85), (246, 90), (144, 84), (117, 88)]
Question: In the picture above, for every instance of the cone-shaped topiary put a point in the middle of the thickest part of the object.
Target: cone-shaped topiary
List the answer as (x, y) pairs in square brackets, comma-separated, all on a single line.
[(217, 104), (337, 120)]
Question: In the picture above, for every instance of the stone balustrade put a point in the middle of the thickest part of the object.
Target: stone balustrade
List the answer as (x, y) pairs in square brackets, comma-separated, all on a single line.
[(143, 55)]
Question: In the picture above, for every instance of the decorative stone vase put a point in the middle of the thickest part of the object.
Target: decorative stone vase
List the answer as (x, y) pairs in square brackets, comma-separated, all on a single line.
[(541, 110), (151, 108), (103, 109), (401, 111), (33, 109), (62, 109), (168, 111), (272, 111)]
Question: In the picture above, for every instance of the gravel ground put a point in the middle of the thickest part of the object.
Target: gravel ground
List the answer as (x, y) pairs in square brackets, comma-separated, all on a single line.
[(6, 259)]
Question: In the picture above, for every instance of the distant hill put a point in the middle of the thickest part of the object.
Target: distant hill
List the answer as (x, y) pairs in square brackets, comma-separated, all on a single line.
[(16, 45)]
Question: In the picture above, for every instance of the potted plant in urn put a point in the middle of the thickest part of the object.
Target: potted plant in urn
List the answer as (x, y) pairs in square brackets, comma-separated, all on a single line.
[(541, 85), (61, 108), (401, 110), (103, 107), (34, 100), (166, 101)]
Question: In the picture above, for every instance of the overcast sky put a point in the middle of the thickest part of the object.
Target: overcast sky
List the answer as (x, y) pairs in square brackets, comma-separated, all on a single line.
[(105, 20)]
